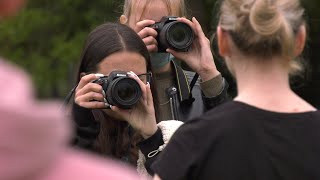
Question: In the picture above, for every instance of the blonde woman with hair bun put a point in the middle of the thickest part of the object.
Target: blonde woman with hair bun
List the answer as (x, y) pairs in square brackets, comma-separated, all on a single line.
[(267, 131)]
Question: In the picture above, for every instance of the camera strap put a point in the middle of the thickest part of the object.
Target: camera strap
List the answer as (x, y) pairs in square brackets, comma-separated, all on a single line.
[(193, 82), (191, 99)]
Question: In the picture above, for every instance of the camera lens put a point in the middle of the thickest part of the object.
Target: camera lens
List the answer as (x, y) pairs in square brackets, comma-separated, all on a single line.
[(124, 92), (178, 35)]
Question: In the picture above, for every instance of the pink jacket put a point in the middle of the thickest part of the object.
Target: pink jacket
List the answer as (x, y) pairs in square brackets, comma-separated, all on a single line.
[(34, 137)]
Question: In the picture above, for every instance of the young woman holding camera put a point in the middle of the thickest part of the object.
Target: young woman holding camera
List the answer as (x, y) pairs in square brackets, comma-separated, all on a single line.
[(268, 131), (116, 51), (173, 94)]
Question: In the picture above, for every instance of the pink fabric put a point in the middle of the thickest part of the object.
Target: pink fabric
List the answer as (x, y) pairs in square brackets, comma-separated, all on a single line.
[(34, 137)]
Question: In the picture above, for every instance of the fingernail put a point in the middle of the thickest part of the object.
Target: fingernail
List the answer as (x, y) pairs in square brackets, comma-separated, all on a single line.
[(103, 93), (148, 84), (99, 75), (129, 73), (106, 105), (105, 101), (132, 74)]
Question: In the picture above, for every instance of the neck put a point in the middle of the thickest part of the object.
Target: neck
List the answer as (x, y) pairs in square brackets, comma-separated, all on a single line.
[(266, 85), (261, 79)]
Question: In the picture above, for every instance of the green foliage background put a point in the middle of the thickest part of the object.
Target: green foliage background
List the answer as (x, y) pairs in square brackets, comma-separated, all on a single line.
[(46, 39)]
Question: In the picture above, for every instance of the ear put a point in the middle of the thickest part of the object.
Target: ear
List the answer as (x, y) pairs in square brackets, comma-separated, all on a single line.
[(300, 41), (123, 19), (223, 45), (82, 74)]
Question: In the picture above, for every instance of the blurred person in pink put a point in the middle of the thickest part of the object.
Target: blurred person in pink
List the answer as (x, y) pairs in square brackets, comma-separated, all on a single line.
[(34, 135)]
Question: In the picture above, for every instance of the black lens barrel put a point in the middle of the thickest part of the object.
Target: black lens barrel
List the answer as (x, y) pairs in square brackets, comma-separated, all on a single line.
[(123, 92), (176, 35)]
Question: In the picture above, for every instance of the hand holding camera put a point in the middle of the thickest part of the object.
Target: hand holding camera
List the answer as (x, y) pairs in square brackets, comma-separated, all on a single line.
[(167, 33), (89, 95), (147, 34), (173, 34), (184, 39), (142, 116), (117, 89), (122, 92), (199, 56)]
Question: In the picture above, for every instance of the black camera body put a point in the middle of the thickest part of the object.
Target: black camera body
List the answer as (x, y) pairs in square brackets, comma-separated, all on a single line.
[(173, 34), (121, 90)]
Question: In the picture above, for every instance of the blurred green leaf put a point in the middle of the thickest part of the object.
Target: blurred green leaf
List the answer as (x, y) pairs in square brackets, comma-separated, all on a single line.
[(46, 39)]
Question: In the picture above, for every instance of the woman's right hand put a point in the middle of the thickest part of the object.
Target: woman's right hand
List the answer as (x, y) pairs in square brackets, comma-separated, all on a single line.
[(147, 34), (88, 94), (142, 116)]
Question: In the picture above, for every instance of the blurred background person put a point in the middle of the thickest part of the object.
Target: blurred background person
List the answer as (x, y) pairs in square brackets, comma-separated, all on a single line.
[(35, 136)]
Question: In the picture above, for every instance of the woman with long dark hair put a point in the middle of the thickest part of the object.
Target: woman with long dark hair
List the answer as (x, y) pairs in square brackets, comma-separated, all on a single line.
[(101, 127)]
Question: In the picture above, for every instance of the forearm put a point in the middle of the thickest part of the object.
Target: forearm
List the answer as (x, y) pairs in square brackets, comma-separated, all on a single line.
[(219, 98), (209, 71), (153, 146), (212, 87)]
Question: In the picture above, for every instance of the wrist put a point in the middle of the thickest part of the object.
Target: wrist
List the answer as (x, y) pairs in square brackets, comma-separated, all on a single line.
[(207, 69), (208, 73), (152, 143), (150, 132)]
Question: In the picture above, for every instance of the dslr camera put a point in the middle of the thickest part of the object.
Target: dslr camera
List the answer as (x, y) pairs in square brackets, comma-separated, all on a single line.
[(173, 34), (121, 90)]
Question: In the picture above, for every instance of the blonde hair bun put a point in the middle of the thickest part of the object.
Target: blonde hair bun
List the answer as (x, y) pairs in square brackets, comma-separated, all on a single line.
[(263, 27)]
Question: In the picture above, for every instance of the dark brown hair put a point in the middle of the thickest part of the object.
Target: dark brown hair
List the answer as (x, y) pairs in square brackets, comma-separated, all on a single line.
[(116, 138)]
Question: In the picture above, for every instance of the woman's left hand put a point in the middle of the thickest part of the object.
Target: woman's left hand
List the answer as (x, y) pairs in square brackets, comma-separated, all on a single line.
[(142, 116), (199, 57)]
